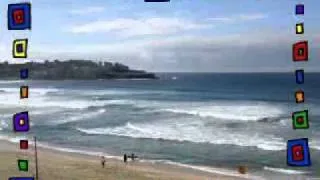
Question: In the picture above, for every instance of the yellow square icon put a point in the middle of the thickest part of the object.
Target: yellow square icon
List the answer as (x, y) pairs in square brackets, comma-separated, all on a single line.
[(299, 96), (20, 47), (299, 28)]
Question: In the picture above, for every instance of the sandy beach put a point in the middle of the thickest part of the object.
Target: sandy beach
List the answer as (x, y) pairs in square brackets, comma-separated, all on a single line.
[(55, 165)]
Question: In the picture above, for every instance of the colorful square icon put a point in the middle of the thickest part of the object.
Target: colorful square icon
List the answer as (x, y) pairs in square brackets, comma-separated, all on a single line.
[(299, 9), (156, 0), (19, 16), (300, 120), (298, 153), (299, 76), (300, 51), (300, 28), (299, 96), (24, 73), (20, 47), (21, 178), (24, 144), (21, 122), (24, 92), (23, 165)]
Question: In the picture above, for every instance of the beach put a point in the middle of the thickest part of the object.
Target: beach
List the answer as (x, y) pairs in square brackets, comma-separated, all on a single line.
[(186, 122), (55, 165)]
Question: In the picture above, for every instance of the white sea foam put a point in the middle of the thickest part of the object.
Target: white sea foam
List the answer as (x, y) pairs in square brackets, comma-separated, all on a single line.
[(231, 111), (100, 92), (12, 100), (193, 132), (11, 82), (245, 111), (13, 139), (3, 124), (315, 144), (285, 171), (45, 111), (221, 171), (79, 117), (33, 91)]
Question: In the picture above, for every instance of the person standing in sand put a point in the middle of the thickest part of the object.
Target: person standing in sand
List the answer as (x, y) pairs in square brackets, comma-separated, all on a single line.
[(103, 161), (125, 158)]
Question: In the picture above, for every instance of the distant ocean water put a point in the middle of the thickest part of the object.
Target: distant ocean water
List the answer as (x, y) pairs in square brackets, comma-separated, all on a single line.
[(204, 120)]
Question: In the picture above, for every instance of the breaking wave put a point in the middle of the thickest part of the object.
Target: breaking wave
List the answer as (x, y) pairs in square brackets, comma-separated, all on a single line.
[(285, 171), (192, 132)]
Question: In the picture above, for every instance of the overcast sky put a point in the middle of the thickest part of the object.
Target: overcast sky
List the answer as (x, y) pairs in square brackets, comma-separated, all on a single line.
[(180, 36)]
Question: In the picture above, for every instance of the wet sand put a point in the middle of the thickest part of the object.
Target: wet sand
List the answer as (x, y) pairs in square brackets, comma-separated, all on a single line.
[(59, 165)]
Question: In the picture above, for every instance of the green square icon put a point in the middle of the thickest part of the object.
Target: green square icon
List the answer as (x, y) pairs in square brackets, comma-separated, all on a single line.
[(300, 120), (23, 165)]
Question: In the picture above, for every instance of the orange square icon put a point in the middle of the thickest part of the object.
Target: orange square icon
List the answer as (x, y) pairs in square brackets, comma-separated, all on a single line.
[(24, 92), (299, 96)]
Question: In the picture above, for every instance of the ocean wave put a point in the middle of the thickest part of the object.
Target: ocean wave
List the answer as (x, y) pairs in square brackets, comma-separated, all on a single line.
[(15, 139), (3, 124), (315, 144), (11, 82), (45, 111), (191, 132), (196, 132), (80, 104), (80, 117), (285, 171), (12, 100), (119, 91), (241, 112), (281, 119), (38, 91)]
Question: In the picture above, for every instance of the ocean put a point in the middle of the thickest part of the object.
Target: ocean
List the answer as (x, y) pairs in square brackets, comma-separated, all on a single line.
[(201, 120)]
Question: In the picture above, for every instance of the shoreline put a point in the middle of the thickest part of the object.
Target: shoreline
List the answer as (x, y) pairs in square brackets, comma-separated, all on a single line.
[(142, 167)]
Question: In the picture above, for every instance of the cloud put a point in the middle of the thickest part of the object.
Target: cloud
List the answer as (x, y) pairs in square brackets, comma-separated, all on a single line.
[(237, 18), (222, 19), (252, 52), (133, 27), (252, 17), (88, 10)]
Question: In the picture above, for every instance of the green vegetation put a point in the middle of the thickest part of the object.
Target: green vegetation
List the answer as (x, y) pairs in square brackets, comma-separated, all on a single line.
[(73, 69)]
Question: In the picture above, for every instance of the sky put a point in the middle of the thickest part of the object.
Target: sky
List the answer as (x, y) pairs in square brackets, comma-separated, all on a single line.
[(179, 36)]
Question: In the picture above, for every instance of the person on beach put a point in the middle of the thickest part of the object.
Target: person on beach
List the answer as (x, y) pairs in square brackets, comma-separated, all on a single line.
[(103, 161), (125, 158), (132, 157)]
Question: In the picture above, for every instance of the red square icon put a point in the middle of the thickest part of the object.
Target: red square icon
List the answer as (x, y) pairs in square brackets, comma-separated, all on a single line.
[(24, 144), (18, 16), (300, 51), (297, 153)]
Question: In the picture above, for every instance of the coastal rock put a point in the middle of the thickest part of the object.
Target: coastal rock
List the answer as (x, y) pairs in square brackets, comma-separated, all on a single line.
[(73, 70)]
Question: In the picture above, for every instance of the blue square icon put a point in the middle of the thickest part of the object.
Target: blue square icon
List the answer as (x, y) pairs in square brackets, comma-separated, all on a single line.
[(19, 16), (24, 73), (300, 76), (299, 9), (156, 0), (21, 178), (298, 153)]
